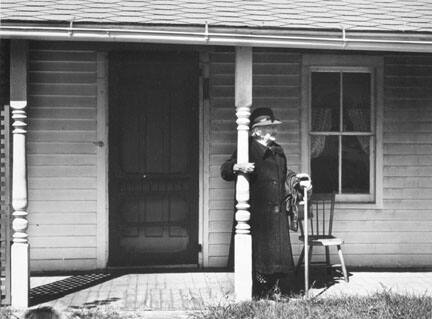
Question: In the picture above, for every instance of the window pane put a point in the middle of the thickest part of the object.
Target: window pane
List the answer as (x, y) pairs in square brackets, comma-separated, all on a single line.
[(355, 164), (325, 101), (356, 102), (324, 163)]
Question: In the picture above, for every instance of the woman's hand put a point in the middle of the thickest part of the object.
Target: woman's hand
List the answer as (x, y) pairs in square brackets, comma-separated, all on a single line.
[(244, 167), (304, 180)]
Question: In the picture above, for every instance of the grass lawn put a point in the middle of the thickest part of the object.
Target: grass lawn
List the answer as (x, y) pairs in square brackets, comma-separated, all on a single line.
[(381, 305), (384, 305), (5, 313)]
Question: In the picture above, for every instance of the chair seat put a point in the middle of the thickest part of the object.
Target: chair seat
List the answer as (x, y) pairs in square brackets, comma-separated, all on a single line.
[(323, 240)]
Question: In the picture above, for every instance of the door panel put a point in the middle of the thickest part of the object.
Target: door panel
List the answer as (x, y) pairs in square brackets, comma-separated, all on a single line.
[(153, 159)]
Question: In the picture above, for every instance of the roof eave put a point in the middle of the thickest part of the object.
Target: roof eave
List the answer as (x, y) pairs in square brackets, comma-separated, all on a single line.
[(329, 39)]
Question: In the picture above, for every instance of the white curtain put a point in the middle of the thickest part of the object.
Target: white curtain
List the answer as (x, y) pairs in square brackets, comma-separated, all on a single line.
[(321, 122), (361, 123)]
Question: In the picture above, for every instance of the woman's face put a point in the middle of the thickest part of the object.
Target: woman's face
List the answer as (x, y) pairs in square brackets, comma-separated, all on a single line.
[(267, 133)]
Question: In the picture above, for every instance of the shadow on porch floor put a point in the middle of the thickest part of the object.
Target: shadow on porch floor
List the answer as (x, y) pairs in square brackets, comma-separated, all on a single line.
[(46, 289), (147, 291), (195, 290), (133, 291)]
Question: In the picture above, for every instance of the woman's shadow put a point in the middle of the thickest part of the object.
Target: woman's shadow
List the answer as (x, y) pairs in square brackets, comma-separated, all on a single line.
[(319, 278)]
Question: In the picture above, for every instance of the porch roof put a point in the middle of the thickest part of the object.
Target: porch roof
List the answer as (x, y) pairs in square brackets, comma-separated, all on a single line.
[(366, 15)]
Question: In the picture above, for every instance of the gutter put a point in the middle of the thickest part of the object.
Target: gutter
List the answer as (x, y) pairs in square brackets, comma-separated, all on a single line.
[(331, 41)]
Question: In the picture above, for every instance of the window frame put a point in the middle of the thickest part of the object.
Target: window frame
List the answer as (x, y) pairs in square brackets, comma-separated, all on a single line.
[(355, 64)]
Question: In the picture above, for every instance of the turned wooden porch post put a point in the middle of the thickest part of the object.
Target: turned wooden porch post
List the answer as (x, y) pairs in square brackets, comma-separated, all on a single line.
[(243, 239), (20, 247)]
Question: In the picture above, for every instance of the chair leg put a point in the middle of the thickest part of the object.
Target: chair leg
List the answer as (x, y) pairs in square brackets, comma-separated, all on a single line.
[(342, 263), (310, 253), (327, 255), (309, 263), (300, 260)]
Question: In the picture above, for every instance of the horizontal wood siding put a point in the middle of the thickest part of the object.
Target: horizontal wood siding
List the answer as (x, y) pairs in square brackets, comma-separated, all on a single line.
[(62, 157), (400, 234), (276, 84), (397, 235)]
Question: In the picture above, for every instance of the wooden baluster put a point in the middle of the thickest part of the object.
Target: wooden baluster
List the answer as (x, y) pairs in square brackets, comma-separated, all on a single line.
[(243, 240), (20, 246)]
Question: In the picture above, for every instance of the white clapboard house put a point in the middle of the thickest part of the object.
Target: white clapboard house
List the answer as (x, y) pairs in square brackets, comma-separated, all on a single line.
[(123, 111)]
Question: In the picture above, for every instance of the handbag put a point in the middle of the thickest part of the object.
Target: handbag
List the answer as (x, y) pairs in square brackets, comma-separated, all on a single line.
[(293, 218), (294, 195)]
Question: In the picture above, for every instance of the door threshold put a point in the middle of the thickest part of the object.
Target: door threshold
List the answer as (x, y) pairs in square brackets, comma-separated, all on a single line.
[(157, 268)]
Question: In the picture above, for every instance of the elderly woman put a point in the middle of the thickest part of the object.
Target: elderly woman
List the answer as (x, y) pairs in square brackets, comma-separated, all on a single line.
[(271, 246)]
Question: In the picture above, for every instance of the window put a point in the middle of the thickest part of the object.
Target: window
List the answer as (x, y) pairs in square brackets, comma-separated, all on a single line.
[(341, 131), (341, 134)]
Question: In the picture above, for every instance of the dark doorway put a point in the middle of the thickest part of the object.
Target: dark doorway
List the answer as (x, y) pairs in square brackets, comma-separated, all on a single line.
[(153, 158)]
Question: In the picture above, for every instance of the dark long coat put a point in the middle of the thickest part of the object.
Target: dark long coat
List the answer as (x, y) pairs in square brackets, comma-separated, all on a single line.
[(271, 246)]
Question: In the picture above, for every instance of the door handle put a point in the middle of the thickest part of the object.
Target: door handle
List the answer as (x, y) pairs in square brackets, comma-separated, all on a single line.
[(99, 143)]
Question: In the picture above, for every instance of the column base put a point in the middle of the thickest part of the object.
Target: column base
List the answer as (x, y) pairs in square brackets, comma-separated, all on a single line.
[(243, 267), (20, 275)]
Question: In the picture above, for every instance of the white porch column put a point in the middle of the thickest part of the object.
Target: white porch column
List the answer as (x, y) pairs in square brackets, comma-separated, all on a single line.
[(20, 247), (243, 239)]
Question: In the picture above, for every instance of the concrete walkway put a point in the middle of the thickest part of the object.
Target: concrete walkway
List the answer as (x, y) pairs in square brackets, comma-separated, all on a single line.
[(159, 294), (367, 283)]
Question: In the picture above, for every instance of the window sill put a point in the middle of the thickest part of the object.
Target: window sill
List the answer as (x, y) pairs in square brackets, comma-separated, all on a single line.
[(358, 205)]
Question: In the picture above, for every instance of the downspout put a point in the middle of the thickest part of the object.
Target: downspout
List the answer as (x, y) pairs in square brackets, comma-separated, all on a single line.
[(344, 39), (214, 38), (71, 27), (206, 32)]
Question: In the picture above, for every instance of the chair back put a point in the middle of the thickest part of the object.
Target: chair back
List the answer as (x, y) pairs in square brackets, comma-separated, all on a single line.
[(320, 216)]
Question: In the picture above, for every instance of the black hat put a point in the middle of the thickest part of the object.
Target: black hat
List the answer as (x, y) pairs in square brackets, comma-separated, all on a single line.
[(263, 116)]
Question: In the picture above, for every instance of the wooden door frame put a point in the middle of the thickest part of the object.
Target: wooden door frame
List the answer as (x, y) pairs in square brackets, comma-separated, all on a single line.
[(204, 157), (102, 141), (102, 203)]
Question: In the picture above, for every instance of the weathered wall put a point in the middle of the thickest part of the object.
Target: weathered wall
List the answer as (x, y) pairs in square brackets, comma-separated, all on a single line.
[(276, 84), (62, 157), (399, 234)]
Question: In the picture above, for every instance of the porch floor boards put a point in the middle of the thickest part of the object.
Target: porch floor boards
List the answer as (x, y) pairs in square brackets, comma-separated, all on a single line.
[(140, 292), (193, 291)]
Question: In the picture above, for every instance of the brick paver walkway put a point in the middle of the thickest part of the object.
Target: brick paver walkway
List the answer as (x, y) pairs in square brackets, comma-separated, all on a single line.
[(160, 293), (130, 292)]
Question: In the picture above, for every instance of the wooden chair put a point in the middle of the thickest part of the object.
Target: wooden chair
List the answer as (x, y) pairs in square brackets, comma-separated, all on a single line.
[(321, 211)]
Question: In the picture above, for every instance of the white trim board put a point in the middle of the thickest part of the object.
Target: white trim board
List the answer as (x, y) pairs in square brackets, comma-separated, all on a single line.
[(346, 62), (101, 143)]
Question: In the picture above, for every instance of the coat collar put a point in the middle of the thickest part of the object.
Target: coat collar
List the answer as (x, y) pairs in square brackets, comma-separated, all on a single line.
[(273, 148)]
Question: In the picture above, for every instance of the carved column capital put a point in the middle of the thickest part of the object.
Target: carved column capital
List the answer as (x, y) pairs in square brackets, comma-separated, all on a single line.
[(243, 113), (19, 172), (19, 116)]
